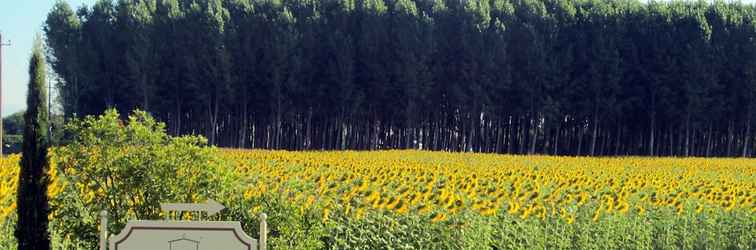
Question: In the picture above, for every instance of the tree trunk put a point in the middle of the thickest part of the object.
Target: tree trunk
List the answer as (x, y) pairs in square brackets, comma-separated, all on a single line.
[(213, 115), (747, 139), (580, 138), (178, 116), (730, 137), (534, 135), (618, 140), (687, 135), (245, 123), (509, 136), (556, 139), (651, 136), (594, 135)]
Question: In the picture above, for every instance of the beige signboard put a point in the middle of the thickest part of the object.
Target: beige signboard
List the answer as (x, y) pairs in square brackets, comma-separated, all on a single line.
[(183, 235)]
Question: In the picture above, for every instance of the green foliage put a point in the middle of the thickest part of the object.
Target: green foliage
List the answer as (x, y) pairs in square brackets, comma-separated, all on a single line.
[(62, 30), (658, 229), (14, 123), (31, 199), (12, 143), (13, 128), (533, 76), (385, 230), (7, 240), (289, 225), (128, 168)]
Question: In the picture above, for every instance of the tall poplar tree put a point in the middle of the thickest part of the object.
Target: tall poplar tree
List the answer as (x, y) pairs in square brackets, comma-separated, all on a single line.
[(32, 205), (575, 77)]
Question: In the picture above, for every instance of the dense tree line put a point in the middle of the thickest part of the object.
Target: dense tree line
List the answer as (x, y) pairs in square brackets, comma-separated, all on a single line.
[(567, 77), (13, 130)]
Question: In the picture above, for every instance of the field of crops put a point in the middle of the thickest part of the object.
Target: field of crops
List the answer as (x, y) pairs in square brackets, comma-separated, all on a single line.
[(442, 184), (675, 202)]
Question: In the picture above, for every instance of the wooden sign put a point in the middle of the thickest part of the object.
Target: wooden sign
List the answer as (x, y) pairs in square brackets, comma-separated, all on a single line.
[(183, 235)]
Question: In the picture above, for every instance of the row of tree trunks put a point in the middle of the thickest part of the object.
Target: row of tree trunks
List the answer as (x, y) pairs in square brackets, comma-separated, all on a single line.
[(460, 131)]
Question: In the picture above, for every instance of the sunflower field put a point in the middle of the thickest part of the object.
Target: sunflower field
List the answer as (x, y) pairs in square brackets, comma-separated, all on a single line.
[(407, 199), (551, 202)]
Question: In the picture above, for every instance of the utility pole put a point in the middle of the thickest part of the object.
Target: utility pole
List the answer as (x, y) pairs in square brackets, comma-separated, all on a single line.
[(1, 92)]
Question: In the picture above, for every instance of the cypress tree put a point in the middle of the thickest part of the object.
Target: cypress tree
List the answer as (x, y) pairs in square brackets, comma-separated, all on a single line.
[(32, 205)]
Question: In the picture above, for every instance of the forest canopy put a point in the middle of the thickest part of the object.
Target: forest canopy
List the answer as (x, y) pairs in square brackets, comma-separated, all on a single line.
[(566, 77)]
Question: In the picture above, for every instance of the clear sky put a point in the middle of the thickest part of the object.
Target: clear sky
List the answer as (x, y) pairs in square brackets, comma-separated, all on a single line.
[(20, 20)]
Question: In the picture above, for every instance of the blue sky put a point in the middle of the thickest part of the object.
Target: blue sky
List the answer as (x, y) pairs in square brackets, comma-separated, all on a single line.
[(20, 20)]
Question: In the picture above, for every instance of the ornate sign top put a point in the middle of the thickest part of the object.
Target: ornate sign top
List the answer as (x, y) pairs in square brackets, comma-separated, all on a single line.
[(183, 235)]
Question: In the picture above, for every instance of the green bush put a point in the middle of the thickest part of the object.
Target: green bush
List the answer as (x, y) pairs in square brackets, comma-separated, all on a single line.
[(12, 143), (128, 169)]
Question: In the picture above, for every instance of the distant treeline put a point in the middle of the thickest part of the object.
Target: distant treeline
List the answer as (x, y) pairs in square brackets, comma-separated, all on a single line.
[(566, 77)]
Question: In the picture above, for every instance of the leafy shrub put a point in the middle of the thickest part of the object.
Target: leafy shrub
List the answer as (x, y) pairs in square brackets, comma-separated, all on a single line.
[(290, 226), (12, 143), (128, 168)]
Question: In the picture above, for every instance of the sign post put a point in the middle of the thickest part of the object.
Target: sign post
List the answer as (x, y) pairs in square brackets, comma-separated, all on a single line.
[(183, 235), (263, 231), (104, 230)]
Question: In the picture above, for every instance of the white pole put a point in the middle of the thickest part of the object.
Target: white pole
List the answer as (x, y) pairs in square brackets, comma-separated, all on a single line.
[(103, 230), (1, 91), (263, 231)]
